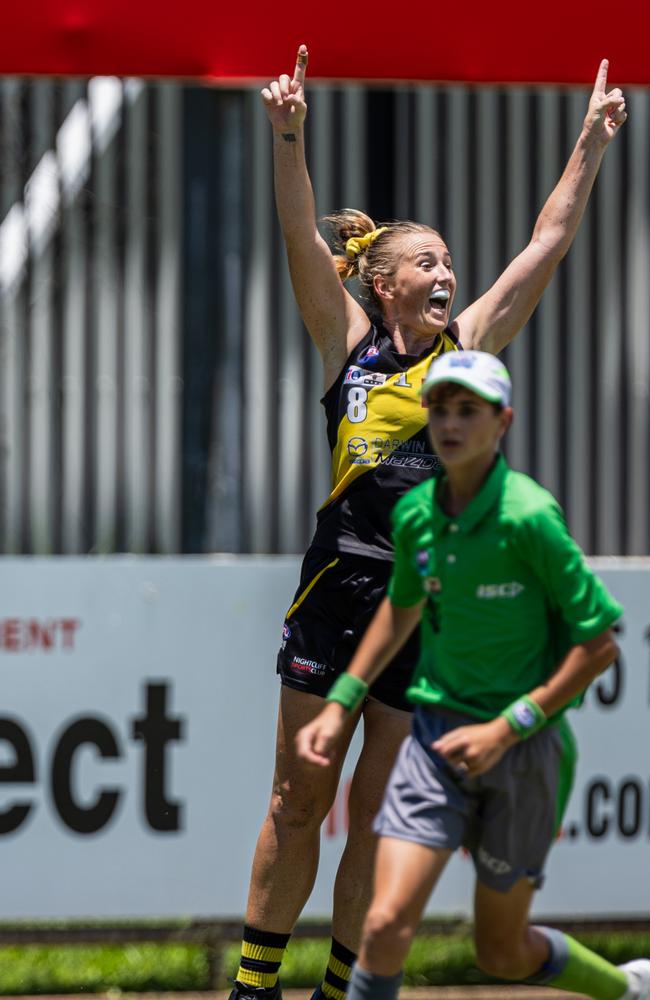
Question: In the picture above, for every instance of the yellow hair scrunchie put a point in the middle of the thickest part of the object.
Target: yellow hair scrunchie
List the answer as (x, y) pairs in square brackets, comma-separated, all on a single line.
[(356, 244)]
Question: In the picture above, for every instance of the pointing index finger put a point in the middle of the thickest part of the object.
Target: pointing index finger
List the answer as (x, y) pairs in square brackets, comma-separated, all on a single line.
[(301, 64), (600, 86)]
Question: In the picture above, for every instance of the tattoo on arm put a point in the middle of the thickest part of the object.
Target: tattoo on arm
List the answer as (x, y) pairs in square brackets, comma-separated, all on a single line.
[(288, 136)]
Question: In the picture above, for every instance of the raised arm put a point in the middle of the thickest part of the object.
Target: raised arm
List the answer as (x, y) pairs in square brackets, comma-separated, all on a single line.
[(333, 318), (494, 319)]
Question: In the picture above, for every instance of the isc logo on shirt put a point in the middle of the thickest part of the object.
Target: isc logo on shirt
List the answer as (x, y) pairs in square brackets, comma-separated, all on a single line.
[(488, 591)]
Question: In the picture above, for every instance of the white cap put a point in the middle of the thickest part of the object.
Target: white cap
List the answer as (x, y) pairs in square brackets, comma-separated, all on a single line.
[(476, 370)]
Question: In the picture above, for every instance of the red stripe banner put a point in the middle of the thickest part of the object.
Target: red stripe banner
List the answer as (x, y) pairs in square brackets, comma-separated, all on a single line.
[(557, 41)]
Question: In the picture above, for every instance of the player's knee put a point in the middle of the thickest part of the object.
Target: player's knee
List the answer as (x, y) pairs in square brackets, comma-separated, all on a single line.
[(297, 805), (386, 931)]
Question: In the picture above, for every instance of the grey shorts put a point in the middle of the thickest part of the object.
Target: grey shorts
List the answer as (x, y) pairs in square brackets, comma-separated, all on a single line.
[(505, 818)]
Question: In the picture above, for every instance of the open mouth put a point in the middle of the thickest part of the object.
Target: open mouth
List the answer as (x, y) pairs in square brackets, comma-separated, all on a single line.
[(440, 298)]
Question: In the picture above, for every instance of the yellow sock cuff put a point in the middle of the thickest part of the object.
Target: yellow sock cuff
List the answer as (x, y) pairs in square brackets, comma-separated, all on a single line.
[(261, 956)]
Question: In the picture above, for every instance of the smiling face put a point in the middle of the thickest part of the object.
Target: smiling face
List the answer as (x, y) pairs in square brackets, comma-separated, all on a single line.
[(419, 293), (465, 429)]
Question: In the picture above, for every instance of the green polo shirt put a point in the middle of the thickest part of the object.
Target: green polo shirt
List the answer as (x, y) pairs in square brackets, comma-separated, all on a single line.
[(508, 591)]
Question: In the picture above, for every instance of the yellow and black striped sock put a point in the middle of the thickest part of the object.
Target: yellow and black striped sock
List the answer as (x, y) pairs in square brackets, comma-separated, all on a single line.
[(339, 970), (261, 956)]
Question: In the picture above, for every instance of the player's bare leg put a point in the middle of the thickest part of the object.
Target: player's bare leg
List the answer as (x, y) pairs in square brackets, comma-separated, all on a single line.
[(405, 875), (507, 947), (288, 846), (385, 729)]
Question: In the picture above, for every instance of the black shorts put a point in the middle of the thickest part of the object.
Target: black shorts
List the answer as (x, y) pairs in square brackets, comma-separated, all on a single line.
[(334, 604)]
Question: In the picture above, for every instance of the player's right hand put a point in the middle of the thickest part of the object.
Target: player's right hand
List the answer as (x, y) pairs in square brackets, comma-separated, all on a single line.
[(316, 742), (284, 98), (606, 112)]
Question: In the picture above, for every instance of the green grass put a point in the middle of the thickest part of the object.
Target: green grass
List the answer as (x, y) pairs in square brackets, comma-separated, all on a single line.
[(443, 960), (433, 961), (38, 969)]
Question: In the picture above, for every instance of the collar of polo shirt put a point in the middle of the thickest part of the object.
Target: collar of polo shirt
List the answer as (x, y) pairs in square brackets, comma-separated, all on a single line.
[(478, 507)]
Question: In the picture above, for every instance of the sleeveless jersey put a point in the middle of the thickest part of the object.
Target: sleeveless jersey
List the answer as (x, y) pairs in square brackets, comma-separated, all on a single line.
[(377, 431)]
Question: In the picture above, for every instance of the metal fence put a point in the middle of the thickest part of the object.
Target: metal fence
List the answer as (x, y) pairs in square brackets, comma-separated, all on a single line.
[(90, 325), (157, 390)]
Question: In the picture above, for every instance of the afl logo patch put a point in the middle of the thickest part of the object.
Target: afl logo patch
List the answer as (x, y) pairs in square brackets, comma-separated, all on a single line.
[(369, 356)]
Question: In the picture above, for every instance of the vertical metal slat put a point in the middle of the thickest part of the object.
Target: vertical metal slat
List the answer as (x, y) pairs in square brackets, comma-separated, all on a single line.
[(323, 181), (486, 223), (258, 471), (353, 149), (518, 232), (74, 293), (42, 207), (137, 349), (168, 375), (426, 172), (548, 426), (105, 103), (12, 370), (638, 309), (578, 342), (608, 343), (457, 232)]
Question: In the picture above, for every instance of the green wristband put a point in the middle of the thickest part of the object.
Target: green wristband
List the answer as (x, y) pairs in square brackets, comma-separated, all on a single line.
[(348, 690), (524, 716)]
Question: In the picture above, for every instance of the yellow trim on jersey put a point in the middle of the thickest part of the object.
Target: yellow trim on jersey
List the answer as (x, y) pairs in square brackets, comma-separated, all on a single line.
[(294, 607), (367, 435)]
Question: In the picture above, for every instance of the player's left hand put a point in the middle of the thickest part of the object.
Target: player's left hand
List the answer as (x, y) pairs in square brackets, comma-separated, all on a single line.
[(284, 98), (317, 741), (606, 112), (474, 749)]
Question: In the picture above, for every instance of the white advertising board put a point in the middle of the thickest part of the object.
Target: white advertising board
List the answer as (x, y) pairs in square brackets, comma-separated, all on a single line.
[(601, 864), (136, 734)]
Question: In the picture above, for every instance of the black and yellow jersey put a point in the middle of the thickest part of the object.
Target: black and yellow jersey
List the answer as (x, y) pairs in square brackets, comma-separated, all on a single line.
[(377, 430)]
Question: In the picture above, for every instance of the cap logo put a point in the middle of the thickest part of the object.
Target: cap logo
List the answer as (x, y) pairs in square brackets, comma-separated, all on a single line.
[(476, 370), (461, 361)]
